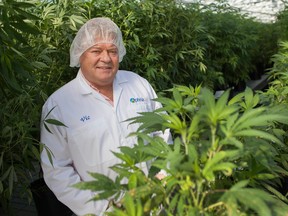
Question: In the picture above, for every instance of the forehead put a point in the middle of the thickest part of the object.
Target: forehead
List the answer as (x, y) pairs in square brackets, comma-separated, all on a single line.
[(104, 46)]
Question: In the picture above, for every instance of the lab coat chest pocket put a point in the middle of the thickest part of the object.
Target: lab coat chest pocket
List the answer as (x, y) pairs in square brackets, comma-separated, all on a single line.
[(92, 143)]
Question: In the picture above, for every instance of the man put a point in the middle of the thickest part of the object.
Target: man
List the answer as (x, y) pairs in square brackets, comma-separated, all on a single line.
[(94, 107)]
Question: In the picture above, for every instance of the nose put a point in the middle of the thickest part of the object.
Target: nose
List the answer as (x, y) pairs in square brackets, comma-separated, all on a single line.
[(105, 56)]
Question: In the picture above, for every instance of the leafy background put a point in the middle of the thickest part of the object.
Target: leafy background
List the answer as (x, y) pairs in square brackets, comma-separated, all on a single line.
[(168, 43)]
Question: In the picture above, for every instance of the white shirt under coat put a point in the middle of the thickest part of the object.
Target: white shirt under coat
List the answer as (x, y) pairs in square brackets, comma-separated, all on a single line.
[(94, 129)]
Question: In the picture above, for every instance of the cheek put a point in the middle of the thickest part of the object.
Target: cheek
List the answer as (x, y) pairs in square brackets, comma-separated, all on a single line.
[(115, 61), (83, 60), (88, 58)]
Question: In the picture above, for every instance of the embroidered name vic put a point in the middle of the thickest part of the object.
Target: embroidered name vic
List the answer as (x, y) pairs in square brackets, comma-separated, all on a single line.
[(85, 118)]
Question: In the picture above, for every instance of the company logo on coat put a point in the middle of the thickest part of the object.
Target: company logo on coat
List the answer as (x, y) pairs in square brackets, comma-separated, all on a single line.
[(135, 100)]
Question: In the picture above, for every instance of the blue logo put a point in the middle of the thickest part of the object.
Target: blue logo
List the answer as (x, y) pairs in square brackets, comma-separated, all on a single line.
[(135, 100), (85, 118)]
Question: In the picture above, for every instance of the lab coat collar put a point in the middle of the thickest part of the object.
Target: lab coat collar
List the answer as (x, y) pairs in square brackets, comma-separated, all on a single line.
[(83, 87), (86, 89), (117, 89)]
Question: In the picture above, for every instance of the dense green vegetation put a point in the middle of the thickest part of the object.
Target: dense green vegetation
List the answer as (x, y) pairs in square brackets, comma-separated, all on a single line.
[(170, 44), (226, 159)]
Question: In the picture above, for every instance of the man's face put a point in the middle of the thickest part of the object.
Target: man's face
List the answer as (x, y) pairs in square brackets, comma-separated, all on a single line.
[(100, 63)]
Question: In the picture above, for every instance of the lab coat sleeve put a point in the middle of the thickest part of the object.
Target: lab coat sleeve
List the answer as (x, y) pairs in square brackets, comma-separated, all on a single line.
[(60, 176)]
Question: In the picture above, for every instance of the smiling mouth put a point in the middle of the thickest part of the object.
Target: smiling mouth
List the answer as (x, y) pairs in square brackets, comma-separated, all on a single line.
[(104, 68)]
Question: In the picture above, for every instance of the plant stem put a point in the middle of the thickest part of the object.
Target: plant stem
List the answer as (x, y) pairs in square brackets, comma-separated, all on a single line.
[(199, 193), (213, 141), (213, 206)]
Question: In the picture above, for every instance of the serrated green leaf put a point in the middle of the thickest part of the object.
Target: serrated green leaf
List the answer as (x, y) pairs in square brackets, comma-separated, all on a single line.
[(54, 122), (232, 141), (147, 205), (260, 134), (36, 152), (174, 122), (6, 173), (251, 198), (150, 121), (126, 158), (177, 98), (208, 98), (236, 99), (101, 178), (132, 182), (50, 155), (193, 129), (246, 119), (103, 188), (139, 208), (129, 205), (222, 101), (49, 112), (215, 164), (47, 128)]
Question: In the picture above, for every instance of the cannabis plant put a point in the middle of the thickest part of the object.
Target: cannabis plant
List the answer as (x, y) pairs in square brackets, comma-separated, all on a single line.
[(222, 161), (30, 32), (277, 93)]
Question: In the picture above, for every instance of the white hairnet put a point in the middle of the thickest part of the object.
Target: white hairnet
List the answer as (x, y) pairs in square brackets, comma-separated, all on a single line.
[(95, 31)]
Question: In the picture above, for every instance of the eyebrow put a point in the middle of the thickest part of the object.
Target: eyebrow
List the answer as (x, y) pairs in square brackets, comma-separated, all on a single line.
[(112, 46)]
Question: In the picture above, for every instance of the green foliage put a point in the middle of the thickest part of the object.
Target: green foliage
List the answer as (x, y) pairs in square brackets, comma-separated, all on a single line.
[(19, 113), (229, 51), (172, 43), (19, 144), (31, 65), (281, 23), (15, 25), (223, 154), (58, 22), (277, 93), (162, 44), (266, 46), (168, 43)]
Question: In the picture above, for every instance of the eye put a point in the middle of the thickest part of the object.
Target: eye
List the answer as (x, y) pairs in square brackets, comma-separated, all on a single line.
[(113, 52), (96, 51)]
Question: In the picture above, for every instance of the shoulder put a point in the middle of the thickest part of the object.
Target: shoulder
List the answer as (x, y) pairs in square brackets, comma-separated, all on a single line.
[(63, 93), (68, 88)]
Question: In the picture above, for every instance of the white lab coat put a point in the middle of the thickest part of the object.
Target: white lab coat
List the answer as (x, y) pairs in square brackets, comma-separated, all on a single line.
[(94, 129)]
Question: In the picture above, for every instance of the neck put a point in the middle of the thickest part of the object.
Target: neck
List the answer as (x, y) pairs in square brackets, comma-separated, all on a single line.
[(108, 93), (106, 90)]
